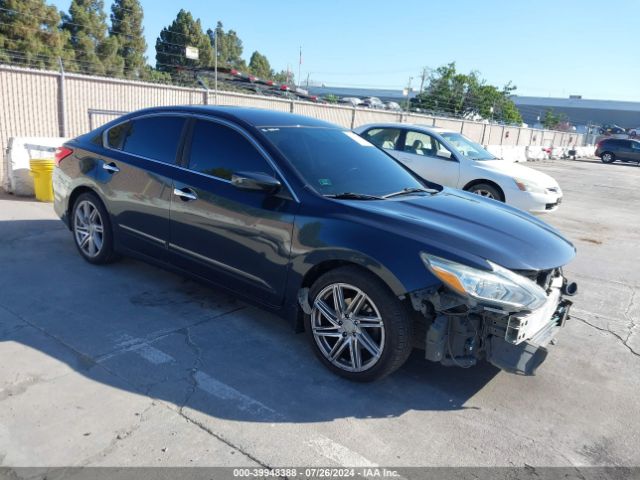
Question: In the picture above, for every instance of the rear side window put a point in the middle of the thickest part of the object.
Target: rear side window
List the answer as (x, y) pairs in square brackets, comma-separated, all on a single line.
[(156, 138), (115, 135), (383, 137), (220, 151)]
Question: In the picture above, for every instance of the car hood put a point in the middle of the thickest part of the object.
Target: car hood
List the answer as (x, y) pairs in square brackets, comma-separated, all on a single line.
[(465, 227), (514, 169)]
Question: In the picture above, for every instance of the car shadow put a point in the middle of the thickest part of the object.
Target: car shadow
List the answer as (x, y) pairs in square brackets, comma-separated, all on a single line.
[(142, 329)]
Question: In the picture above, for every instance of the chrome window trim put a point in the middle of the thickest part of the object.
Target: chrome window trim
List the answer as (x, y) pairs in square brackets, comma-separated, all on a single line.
[(199, 116)]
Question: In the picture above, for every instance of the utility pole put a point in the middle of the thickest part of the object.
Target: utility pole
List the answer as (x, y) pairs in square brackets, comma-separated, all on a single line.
[(423, 77), (215, 51), (62, 108), (299, 66), (408, 90)]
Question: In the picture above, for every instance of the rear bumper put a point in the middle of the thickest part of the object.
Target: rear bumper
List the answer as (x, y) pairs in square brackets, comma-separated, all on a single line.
[(61, 193)]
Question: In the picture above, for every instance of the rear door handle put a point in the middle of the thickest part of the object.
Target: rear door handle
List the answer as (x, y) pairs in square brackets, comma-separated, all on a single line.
[(185, 194), (110, 167)]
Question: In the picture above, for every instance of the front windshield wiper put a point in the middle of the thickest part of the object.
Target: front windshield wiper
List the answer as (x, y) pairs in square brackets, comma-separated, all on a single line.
[(353, 196), (409, 191)]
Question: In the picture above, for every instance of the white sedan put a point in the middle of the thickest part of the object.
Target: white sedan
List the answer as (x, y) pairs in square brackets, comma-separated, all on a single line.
[(448, 158)]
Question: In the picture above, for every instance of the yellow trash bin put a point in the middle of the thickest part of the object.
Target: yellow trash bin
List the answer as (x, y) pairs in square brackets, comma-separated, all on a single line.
[(42, 172)]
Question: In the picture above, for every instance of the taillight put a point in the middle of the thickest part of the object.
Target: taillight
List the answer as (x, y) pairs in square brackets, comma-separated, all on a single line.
[(61, 154)]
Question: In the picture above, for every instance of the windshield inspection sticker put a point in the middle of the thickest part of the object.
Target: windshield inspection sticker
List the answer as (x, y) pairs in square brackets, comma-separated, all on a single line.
[(325, 182), (358, 138)]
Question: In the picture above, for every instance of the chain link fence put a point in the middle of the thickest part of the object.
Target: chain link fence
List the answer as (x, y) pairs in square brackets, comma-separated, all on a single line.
[(56, 104)]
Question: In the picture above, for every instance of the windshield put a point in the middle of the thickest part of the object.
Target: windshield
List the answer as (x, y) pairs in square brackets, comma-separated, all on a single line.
[(336, 161), (467, 148)]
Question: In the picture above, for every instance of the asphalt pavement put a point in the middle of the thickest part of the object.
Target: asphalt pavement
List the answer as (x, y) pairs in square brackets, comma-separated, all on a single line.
[(129, 365)]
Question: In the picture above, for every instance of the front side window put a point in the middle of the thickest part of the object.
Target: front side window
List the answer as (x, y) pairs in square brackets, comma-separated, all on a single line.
[(334, 161), (466, 147), (420, 143), (220, 151), (156, 138), (383, 137)]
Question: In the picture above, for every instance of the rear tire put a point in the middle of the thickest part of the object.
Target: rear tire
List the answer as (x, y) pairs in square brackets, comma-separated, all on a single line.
[(486, 190), (91, 229), (370, 337), (608, 157)]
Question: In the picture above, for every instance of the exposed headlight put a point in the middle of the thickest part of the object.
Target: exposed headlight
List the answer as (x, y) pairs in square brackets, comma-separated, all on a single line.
[(528, 186), (500, 287)]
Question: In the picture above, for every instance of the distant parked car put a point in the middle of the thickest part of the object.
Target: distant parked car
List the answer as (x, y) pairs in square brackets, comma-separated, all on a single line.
[(392, 106), (611, 149), (634, 132), (353, 101), (448, 158), (373, 102), (612, 130)]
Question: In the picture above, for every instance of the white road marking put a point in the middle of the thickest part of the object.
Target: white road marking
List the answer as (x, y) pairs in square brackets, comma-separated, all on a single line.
[(225, 392), (154, 355), (338, 453), (324, 446)]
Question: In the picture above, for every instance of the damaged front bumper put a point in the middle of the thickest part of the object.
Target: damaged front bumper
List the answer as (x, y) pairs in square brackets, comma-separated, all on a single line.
[(460, 332)]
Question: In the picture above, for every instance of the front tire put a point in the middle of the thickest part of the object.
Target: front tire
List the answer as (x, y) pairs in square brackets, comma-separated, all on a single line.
[(92, 229), (486, 190), (357, 327), (607, 157)]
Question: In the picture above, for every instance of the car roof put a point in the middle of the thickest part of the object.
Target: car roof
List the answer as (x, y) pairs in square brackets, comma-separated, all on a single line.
[(255, 117), (417, 126)]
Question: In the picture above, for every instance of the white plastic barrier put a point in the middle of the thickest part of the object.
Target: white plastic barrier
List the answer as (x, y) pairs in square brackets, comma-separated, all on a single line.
[(511, 153), (536, 152), (23, 149)]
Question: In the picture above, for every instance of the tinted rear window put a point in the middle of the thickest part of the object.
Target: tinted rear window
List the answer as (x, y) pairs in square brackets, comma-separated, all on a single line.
[(156, 138)]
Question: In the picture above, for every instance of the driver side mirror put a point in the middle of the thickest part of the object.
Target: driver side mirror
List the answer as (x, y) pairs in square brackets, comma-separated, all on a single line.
[(444, 154), (256, 181)]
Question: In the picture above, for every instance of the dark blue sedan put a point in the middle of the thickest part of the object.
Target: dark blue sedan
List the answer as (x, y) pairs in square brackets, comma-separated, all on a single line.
[(308, 219)]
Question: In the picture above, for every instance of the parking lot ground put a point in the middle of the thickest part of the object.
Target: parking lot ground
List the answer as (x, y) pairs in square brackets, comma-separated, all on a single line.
[(129, 365)]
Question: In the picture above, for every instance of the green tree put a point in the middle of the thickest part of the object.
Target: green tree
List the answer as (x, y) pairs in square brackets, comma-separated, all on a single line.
[(467, 95), (259, 66), (284, 76), (229, 47), (554, 121), (93, 51), (331, 98), (29, 33), (126, 28), (152, 75), (172, 42)]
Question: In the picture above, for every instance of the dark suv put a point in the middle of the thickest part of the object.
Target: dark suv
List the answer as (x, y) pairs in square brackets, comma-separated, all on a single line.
[(612, 149)]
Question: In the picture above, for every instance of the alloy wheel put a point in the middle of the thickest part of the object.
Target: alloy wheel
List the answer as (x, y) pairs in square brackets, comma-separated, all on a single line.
[(347, 327), (484, 193), (88, 228)]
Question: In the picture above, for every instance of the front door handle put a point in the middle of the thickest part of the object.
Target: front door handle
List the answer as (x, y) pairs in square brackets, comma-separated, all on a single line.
[(110, 167), (185, 194)]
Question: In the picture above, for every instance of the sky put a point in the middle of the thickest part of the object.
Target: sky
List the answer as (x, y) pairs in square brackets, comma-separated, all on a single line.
[(546, 48)]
